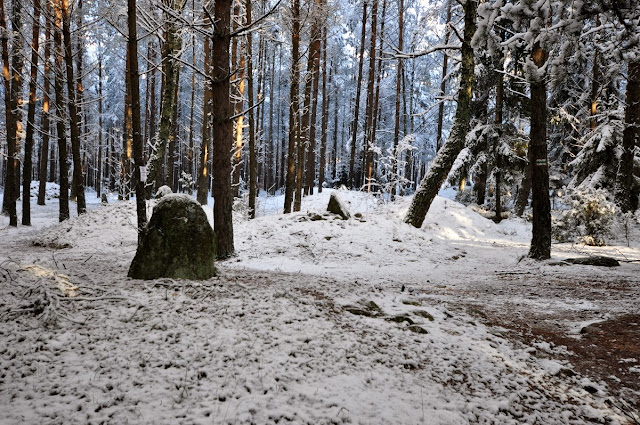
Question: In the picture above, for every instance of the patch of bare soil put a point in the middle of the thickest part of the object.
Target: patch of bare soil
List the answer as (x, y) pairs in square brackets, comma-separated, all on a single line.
[(596, 318)]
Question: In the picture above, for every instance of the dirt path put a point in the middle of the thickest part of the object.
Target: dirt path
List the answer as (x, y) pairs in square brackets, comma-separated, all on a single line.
[(596, 318)]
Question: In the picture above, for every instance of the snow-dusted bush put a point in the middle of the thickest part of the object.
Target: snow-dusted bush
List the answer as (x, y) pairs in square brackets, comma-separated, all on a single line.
[(466, 196), (187, 183), (589, 216), (241, 208)]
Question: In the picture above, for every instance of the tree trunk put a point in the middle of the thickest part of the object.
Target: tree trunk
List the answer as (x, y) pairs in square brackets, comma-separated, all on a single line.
[(74, 115), (399, 74), (61, 116), (203, 175), (334, 159), (238, 59), (310, 145), (626, 192), (294, 107), (187, 160), (170, 64), (27, 167), (138, 143), (100, 111), (12, 83), (443, 82), (595, 85), (496, 144), (44, 156), (152, 96), (541, 240), (222, 130), (325, 111), (375, 111), (174, 143), (441, 165), (127, 133), (367, 168), (272, 163), (253, 157), (356, 111)]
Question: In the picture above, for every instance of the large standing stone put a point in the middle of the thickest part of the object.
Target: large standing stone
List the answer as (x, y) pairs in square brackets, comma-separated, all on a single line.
[(178, 242), (336, 206)]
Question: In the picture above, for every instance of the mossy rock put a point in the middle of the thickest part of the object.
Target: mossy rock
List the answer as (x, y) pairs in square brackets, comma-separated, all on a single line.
[(399, 319), (316, 217), (417, 329), (365, 308), (424, 314), (178, 242), (412, 302)]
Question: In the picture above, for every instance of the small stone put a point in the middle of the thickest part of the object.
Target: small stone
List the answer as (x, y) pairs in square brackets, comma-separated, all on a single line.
[(424, 314), (411, 302), (399, 319), (417, 329)]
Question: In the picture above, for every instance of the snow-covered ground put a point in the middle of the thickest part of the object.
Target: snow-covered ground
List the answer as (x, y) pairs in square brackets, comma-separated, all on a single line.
[(274, 338)]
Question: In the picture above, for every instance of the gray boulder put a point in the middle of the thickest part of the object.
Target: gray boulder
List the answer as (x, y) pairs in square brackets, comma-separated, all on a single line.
[(336, 206), (178, 242)]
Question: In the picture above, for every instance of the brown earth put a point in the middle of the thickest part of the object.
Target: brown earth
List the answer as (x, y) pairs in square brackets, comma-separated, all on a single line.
[(596, 319)]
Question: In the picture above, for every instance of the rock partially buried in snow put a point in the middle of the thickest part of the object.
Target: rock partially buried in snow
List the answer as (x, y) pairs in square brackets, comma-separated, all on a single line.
[(178, 242), (163, 191), (596, 260), (336, 206)]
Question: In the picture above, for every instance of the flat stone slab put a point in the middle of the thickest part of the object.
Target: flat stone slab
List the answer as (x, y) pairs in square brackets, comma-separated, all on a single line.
[(596, 260)]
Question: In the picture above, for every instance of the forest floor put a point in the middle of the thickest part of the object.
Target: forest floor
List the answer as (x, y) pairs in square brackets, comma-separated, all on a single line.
[(318, 321)]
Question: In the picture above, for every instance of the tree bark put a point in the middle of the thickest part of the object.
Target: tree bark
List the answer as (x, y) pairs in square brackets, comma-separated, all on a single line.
[(443, 82), (253, 156), (74, 115), (626, 192), (541, 241), (170, 64), (174, 142), (294, 107), (496, 144), (61, 116), (399, 74), (27, 166), (356, 111), (138, 142), (12, 82), (222, 130), (238, 60), (441, 165), (100, 111), (325, 112), (203, 175), (45, 119), (125, 157), (334, 158)]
